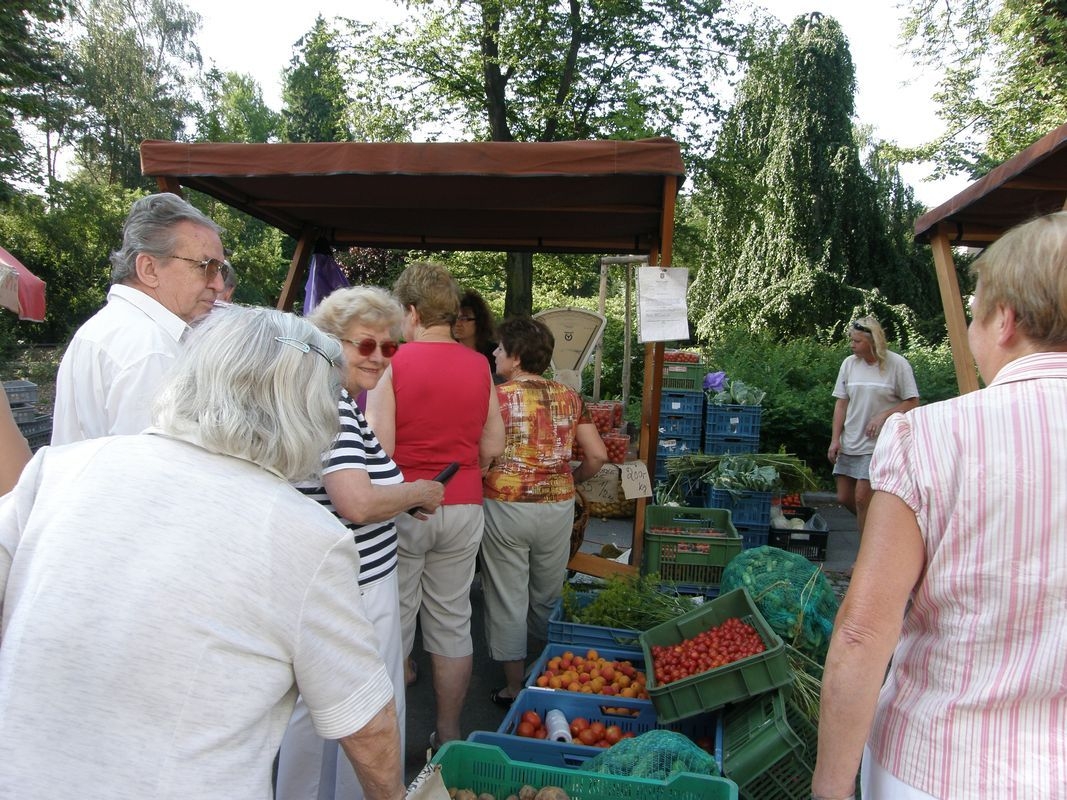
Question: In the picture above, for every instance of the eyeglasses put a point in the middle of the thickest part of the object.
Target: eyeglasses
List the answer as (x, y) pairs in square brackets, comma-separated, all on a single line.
[(366, 347), (306, 347), (211, 266), (465, 318), (859, 327)]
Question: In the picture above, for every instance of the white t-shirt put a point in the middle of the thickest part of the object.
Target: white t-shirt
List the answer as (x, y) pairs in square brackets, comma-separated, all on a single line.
[(869, 391), (114, 367), (162, 606)]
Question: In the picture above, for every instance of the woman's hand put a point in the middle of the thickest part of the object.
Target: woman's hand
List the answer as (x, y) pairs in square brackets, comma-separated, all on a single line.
[(874, 425), (431, 494), (834, 451)]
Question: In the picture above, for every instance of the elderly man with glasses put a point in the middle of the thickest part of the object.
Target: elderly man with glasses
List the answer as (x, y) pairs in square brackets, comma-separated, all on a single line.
[(169, 272)]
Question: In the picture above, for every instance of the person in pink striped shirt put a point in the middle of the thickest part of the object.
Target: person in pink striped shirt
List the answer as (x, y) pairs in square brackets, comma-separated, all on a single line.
[(961, 579)]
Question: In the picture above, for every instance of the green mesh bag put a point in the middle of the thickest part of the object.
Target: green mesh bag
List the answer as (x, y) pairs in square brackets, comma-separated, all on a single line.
[(790, 592), (657, 755)]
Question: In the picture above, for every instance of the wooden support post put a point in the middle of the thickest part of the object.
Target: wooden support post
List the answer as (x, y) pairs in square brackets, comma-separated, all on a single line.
[(297, 268), (952, 302), (166, 183)]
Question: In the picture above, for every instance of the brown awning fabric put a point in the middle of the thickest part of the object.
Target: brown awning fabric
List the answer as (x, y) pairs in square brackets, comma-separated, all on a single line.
[(1031, 183), (578, 197)]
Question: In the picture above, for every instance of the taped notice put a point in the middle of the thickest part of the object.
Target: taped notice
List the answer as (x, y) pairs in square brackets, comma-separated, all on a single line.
[(662, 313)]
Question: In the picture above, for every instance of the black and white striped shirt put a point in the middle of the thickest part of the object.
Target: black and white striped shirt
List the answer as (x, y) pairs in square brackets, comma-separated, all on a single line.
[(356, 447)]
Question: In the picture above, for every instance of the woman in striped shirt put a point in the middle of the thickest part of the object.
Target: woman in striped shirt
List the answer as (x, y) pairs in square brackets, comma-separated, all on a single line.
[(364, 487), (961, 578)]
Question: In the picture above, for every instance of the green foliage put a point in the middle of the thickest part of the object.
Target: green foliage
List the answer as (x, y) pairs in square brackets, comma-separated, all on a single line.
[(796, 229), (138, 59), (66, 243), (33, 81), (234, 111), (316, 98), (1003, 77)]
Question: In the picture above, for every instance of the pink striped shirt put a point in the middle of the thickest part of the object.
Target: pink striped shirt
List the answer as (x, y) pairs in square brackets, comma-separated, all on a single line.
[(975, 704)]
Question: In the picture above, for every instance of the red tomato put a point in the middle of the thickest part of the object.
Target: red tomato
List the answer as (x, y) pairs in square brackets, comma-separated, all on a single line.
[(612, 734), (532, 717), (524, 728)]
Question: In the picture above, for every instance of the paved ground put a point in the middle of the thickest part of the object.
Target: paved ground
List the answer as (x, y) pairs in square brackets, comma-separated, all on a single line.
[(481, 714)]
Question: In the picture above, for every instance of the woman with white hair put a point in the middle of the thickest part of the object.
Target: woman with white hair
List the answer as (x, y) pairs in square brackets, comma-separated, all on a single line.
[(365, 490), (873, 384), (166, 595)]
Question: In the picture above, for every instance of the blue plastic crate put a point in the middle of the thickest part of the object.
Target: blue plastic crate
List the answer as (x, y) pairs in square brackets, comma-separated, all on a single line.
[(746, 508), (685, 425), (732, 420), (753, 535), (719, 445), (632, 716), (681, 403), (561, 631)]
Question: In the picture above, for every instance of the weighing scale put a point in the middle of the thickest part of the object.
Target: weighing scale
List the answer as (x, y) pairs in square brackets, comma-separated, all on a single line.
[(577, 333)]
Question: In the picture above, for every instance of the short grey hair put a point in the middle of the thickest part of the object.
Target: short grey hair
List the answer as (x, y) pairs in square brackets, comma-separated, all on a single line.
[(238, 391), (149, 228), (372, 306)]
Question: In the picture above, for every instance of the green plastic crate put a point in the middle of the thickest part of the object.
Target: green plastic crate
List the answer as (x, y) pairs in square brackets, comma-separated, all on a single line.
[(677, 545), (685, 377), (769, 748), (730, 683), (486, 768)]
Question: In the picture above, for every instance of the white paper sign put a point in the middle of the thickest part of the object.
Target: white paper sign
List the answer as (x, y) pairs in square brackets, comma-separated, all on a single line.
[(661, 307), (635, 482)]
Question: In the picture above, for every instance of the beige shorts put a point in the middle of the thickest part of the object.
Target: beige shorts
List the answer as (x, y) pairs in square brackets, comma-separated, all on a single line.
[(435, 567)]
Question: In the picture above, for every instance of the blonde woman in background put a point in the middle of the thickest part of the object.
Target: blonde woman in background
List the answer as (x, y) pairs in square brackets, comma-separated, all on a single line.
[(872, 384)]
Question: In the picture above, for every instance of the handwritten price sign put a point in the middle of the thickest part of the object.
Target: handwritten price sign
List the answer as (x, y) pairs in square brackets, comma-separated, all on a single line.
[(635, 481)]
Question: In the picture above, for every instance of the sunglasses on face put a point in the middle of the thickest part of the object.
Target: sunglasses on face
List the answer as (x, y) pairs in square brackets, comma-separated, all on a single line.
[(211, 266), (366, 347), (464, 318)]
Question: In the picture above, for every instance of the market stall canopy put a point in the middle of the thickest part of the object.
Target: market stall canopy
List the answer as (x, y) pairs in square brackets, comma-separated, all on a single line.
[(1031, 183), (21, 290), (575, 197)]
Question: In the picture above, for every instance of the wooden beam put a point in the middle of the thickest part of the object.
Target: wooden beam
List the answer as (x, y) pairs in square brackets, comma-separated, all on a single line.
[(588, 564), (166, 183), (952, 302), (297, 268)]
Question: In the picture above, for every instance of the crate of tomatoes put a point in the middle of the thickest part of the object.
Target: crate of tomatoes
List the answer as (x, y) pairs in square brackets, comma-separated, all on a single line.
[(593, 723), (721, 652), (607, 672), (689, 546)]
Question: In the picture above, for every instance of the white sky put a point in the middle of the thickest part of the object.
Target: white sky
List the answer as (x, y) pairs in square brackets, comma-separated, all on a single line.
[(257, 38)]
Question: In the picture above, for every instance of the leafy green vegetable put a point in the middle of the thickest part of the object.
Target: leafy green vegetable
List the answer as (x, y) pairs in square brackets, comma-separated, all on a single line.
[(630, 602), (737, 393), (738, 472)]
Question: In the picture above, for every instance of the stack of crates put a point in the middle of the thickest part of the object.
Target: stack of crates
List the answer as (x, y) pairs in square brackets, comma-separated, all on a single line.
[(734, 429), (768, 744), (37, 428), (731, 429), (681, 413)]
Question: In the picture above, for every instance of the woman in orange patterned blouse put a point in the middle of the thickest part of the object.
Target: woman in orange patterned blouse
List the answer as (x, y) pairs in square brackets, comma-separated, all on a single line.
[(529, 496)]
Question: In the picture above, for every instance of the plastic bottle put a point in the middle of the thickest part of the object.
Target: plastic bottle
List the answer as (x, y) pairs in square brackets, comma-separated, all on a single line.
[(557, 727)]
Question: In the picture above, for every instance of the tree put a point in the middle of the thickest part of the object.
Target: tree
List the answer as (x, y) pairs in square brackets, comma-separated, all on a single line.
[(1004, 84), (538, 70), (32, 70), (137, 57), (234, 111), (797, 233), (316, 101)]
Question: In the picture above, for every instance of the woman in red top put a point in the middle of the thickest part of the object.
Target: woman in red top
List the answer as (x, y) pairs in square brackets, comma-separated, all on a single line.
[(436, 404)]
